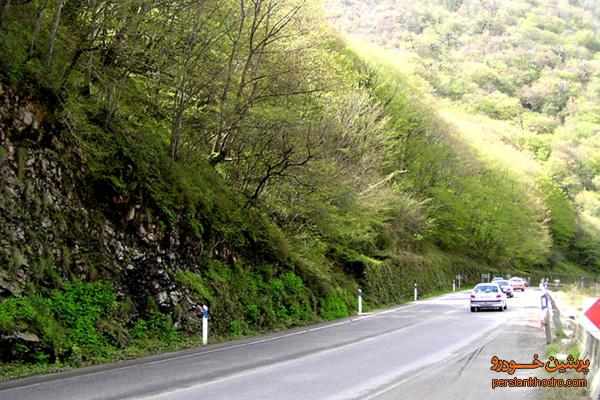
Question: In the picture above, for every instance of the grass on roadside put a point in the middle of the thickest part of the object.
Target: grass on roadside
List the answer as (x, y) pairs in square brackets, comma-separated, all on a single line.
[(17, 370)]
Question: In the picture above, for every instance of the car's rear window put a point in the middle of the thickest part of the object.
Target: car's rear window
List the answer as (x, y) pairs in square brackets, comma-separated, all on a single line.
[(503, 283), (486, 289)]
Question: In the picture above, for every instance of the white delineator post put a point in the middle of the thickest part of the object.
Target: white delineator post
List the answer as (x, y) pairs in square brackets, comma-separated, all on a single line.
[(360, 296), (416, 293), (454, 286), (204, 325)]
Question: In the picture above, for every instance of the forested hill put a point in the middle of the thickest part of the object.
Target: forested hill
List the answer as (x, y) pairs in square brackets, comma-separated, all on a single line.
[(161, 155), (532, 65)]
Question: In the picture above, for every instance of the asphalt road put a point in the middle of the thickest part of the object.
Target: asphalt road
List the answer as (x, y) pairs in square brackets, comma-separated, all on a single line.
[(432, 349)]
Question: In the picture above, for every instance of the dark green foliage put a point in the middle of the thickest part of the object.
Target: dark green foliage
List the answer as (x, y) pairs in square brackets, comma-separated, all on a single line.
[(156, 326), (196, 285), (246, 302)]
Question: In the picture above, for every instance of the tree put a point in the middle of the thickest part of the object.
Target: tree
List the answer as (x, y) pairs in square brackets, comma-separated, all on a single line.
[(54, 31)]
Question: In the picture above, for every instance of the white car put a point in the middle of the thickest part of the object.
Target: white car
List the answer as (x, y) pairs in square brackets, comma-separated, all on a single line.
[(517, 283), (487, 295), (506, 288)]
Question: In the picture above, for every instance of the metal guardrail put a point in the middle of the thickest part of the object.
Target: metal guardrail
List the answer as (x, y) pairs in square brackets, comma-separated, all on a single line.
[(588, 338)]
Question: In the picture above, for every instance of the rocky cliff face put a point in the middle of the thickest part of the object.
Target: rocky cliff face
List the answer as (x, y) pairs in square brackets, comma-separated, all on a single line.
[(52, 229)]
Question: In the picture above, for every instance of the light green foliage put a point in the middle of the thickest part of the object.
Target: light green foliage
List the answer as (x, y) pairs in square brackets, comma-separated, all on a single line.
[(539, 123), (563, 223), (532, 63), (497, 105)]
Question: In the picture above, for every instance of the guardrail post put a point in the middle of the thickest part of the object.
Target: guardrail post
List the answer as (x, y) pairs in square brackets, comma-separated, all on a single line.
[(204, 325), (360, 296)]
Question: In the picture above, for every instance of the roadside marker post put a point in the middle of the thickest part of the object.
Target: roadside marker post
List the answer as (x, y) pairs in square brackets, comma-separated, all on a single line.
[(360, 296), (416, 292), (204, 325), (454, 286), (546, 316)]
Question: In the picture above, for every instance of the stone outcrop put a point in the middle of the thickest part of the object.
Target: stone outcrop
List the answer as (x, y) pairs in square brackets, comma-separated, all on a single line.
[(52, 229)]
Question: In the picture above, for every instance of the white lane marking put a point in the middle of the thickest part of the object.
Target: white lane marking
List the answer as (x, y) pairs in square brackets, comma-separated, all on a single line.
[(494, 335), (329, 326), (240, 374), (277, 337), (205, 352)]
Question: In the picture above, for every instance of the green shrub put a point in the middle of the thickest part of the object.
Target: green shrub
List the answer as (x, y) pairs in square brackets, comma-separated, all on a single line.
[(334, 307), (195, 283), (73, 322), (156, 326), (237, 328), (498, 105)]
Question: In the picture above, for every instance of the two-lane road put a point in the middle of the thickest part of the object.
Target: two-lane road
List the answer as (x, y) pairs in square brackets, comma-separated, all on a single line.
[(413, 349)]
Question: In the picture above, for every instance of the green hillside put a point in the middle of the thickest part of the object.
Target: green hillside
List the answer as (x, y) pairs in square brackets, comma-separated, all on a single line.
[(530, 67), (160, 155)]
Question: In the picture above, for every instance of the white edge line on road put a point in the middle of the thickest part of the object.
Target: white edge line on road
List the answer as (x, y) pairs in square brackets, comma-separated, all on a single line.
[(230, 347), (444, 361), (251, 371)]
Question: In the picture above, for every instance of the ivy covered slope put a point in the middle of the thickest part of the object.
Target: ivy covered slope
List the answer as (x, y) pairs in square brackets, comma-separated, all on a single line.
[(160, 155)]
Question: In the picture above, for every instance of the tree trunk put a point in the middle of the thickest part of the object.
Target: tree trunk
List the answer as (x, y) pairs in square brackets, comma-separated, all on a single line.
[(87, 90), (175, 137), (55, 24), (4, 11), (176, 128), (36, 28)]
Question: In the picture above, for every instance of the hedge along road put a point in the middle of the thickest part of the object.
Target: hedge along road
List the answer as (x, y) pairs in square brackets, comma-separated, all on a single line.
[(372, 356)]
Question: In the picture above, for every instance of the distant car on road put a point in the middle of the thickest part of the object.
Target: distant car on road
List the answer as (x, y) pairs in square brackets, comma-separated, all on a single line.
[(517, 283), (487, 295), (506, 287), (497, 278)]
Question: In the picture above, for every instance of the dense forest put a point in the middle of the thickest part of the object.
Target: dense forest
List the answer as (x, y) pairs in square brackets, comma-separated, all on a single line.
[(531, 64), (258, 157)]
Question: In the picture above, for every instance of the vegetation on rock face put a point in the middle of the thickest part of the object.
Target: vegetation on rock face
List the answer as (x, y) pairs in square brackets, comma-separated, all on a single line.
[(161, 155)]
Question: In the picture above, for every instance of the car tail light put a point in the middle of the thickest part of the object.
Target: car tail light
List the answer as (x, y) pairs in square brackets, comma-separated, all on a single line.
[(498, 296), (472, 296)]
